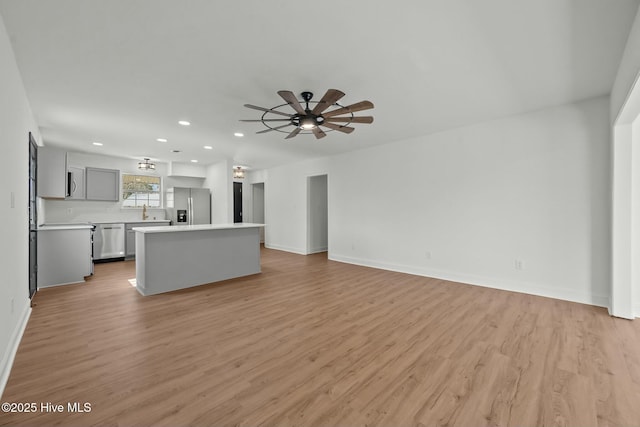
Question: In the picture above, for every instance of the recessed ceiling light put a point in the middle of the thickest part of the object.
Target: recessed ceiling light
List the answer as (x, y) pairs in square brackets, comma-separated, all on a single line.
[(161, 140), (208, 147), (238, 134), (194, 161), (184, 123), (99, 144)]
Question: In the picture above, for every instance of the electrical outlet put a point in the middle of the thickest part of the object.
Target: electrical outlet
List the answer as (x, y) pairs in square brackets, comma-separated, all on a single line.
[(69, 211), (427, 254), (518, 264)]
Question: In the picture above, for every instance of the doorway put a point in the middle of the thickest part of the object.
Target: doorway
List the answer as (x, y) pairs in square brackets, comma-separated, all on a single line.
[(257, 200), (317, 214), (237, 202), (625, 250), (33, 217)]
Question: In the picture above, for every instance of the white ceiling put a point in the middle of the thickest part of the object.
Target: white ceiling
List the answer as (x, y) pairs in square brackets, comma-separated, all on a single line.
[(123, 72)]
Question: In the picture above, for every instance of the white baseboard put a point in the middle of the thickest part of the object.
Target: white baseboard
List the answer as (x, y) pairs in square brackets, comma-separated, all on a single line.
[(318, 250), (60, 284), (12, 349), (285, 248), (487, 282)]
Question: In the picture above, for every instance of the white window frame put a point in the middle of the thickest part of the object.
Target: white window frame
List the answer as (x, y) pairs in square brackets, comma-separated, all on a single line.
[(122, 191)]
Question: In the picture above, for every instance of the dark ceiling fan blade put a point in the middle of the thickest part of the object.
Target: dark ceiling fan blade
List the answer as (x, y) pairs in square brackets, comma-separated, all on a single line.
[(362, 119), (344, 129), (291, 99), (358, 106), (267, 110), (319, 133), (275, 128), (267, 120), (331, 97), (293, 133)]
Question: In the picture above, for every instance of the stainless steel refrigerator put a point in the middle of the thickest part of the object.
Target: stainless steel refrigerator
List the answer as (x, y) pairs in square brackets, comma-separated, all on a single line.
[(189, 206)]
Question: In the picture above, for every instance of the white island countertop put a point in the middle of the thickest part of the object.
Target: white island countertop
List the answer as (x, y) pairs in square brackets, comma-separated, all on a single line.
[(199, 227)]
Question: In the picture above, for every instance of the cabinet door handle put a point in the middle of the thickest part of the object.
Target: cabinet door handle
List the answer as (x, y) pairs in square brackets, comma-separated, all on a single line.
[(68, 184)]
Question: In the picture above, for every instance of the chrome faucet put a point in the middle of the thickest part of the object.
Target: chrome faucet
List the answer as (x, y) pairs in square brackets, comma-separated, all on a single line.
[(144, 212)]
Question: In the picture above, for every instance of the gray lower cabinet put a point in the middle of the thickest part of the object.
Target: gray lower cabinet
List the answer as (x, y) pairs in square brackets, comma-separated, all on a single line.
[(64, 256), (102, 184), (130, 235)]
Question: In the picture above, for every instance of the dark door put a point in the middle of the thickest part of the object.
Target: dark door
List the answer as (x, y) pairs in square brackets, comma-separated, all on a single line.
[(237, 202), (33, 217)]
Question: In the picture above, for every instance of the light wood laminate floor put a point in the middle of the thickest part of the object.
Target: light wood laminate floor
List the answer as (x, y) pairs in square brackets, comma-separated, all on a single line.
[(311, 342)]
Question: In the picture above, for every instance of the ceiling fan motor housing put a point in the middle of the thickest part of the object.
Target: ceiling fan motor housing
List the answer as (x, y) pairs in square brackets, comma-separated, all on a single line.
[(307, 97)]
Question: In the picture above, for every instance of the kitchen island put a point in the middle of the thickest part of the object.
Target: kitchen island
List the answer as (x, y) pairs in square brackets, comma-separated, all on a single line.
[(182, 256)]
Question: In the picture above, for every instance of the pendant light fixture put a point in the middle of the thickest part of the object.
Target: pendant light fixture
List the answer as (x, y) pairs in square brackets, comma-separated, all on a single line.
[(146, 165), (238, 172)]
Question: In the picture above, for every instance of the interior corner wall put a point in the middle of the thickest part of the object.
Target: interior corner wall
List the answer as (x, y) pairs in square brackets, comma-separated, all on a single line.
[(285, 194), (16, 121), (219, 182)]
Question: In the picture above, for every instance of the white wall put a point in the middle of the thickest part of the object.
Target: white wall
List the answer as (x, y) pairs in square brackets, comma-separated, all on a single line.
[(219, 181), (16, 121), (81, 211), (467, 203), (286, 204)]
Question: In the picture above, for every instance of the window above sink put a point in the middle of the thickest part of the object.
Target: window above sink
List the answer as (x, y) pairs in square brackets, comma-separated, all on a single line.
[(141, 190)]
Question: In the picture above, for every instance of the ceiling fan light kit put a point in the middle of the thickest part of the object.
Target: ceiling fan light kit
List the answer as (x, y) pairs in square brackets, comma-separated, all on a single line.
[(310, 120)]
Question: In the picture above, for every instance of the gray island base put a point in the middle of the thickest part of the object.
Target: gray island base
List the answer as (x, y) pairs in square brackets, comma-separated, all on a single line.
[(178, 257)]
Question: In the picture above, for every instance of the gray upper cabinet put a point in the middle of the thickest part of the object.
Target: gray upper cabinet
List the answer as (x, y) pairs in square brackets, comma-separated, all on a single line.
[(52, 173), (75, 183), (102, 184)]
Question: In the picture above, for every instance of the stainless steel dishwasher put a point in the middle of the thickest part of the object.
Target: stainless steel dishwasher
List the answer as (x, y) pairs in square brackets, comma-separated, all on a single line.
[(108, 242)]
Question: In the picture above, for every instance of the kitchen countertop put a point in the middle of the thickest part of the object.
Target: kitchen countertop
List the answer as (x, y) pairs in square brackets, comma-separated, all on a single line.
[(200, 227), (51, 227), (90, 224), (132, 221)]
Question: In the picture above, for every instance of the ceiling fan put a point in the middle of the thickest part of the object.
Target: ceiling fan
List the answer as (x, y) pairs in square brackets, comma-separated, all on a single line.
[(311, 118)]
